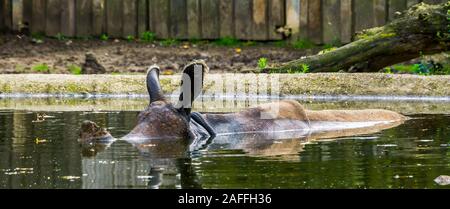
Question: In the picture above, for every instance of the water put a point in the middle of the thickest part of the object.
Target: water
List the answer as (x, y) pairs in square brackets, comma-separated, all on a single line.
[(47, 155)]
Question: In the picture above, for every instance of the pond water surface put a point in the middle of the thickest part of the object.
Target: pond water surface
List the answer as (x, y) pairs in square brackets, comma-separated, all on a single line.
[(46, 154)]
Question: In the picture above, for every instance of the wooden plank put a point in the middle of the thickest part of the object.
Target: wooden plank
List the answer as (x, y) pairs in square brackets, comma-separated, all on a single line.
[(17, 15), (293, 17), (331, 20), (226, 18), (242, 19), (38, 17), (276, 18), (114, 18), (68, 18), (178, 19), (7, 14), (83, 18), (410, 3), (303, 19), (379, 12), (53, 17), (193, 19), (346, 21), (98, 17), (150, 12), (160, 17), (210, 19), (2, 24), (142, 19), (363, 15), (27, 9), (315, 21), (396, 6), (259, 20), (129, 24)]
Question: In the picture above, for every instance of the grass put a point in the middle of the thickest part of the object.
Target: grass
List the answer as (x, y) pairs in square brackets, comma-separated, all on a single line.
[(130, 38), (74, 69), (60, 37), (41, 68), (227, 41), (104, 37), (303, 44), (169, 42), (147, 36), (262, 63), (280, 43), (422, 68), (305, 68)]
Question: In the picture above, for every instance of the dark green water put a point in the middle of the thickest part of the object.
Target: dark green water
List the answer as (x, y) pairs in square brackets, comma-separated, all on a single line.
[(47, 155)]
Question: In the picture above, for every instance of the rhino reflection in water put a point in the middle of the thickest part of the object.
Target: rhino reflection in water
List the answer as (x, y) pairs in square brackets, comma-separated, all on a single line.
[(169, 131)]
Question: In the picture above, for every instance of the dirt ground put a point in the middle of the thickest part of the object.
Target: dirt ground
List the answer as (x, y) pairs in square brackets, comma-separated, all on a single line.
[(19, 54)]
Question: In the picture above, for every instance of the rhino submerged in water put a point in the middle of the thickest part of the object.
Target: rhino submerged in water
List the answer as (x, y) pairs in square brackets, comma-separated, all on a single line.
[(165, 129)]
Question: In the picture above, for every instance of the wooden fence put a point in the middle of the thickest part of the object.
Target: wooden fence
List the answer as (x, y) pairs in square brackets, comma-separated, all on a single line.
[(322, 21)]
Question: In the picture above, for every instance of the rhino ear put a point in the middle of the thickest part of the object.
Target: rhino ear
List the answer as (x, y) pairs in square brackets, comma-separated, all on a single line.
[(191, 84), (153, 86)]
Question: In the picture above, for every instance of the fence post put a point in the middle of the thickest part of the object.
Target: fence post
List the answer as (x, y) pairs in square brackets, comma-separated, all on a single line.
[(2, 17), (160, 17), (83, 18), (210, 19), (193, 19), (98, 17), (68, 18), (277, 18), (142, 20), (259, 20), (346, 21), (53, 17), (38, 17), (7, 14), (226, 18), (129, 24), (293, 17), (331, 24), (315, 21), (17, 15), (242, 18), (178, 19)]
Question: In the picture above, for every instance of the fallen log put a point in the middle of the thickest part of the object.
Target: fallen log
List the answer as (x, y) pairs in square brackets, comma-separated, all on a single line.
[(421, 30)]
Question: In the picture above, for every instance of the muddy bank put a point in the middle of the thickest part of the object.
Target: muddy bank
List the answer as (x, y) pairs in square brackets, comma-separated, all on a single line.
[(377, 84), (19, 54)]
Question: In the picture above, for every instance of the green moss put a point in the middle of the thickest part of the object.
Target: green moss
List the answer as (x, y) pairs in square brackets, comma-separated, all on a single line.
[(327, 50), (169, 42), (368, 33), (130, 38), (387, 35), (104, 37), (148, 36)]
